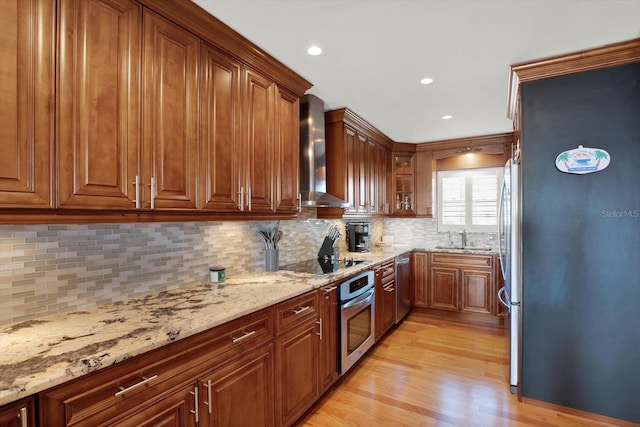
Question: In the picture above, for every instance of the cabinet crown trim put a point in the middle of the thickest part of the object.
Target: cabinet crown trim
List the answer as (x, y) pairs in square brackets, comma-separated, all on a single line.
[(610, 55)]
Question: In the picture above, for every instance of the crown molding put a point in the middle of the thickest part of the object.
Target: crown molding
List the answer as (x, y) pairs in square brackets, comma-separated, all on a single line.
[(610, 55)]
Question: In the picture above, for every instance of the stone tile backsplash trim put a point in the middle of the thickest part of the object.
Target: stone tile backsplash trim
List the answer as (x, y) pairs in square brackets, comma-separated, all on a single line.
[(49, 269)]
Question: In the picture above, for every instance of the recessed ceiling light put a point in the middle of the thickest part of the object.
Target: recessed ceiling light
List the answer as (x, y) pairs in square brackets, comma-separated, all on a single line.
[(426, 81), (314, 50), (447, 117)]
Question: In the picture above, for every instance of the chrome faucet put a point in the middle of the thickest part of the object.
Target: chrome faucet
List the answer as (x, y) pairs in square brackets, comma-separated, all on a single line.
[(464, 238)]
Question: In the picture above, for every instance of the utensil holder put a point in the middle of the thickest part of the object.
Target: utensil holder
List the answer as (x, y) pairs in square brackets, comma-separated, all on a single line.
[(327, 248), (271, 259)]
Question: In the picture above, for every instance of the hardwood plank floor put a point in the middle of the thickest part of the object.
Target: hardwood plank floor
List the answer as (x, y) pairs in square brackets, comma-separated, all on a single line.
[(434, 370)]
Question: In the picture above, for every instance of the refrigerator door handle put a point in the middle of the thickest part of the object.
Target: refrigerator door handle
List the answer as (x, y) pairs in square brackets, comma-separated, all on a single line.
[(501, 230), (501, 295)]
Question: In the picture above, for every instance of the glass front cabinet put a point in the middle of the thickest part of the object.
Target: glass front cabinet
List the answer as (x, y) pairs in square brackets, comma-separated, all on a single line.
[(403, 184)]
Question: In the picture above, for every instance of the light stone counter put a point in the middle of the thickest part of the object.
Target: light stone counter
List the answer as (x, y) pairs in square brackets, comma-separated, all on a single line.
[(43, 353), (46, 352)]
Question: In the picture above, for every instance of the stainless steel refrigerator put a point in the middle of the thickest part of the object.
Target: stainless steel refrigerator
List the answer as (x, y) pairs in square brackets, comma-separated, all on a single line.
[(510, 246)]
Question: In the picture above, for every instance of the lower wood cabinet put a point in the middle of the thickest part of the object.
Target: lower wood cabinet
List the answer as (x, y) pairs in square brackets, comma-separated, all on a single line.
[(297, 358), (328, 337), (162, 381), (177, 409), (385, 297), (18, 414), (241, 393), (455, 282), (264, 369)]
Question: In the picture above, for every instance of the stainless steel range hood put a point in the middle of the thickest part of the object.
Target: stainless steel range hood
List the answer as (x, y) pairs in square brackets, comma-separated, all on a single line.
[(313, 160)]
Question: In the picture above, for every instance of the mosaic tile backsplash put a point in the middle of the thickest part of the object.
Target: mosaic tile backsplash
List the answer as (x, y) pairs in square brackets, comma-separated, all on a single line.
[(48, 269)]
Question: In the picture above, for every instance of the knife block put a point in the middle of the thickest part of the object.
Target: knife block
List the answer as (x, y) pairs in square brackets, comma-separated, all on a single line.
[(327, 249)]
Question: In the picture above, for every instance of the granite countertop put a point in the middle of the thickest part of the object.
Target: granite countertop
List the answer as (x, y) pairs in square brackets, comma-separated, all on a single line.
[(46, 352)]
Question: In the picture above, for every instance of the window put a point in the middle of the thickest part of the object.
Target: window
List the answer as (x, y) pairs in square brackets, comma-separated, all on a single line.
[(468, 199)]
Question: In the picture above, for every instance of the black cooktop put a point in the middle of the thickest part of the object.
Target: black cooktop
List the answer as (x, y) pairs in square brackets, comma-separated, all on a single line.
[(321, 265)]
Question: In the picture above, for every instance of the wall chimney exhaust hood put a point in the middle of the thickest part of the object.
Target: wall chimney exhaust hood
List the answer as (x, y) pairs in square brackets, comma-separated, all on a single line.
[(313, 160)]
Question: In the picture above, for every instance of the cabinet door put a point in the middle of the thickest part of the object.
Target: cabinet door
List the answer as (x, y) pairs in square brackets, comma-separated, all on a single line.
[(420, 279), (362, 173), (328, 337), (18, 414), (98, 138), (372, 177), (241, 393), (351, 171), (424, 180), (443, 288), (476, 291), (288, 151), (26, 110), (220, 137), (178, 409), (259, 154), (170, 134), (296, 372), (383, 156)]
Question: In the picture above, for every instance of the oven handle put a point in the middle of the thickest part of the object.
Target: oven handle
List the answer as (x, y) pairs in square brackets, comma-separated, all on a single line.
[(359, 300)]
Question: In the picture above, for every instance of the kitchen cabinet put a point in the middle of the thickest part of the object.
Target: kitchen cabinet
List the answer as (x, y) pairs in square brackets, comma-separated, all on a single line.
[(178, 409), (18, 414), (241, 393), (261, 176), (297, 357), (99, 104), (423, 204), (100, 99), (461, 282), (161, 381), (287, 151), (385, 297), (220, 137), (403, 184), (357, 164), (420, 273), (159, 107), (27, 80), (170, 106), (328, 336)]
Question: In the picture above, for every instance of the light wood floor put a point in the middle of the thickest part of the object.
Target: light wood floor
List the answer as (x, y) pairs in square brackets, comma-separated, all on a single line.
[(433, 370)]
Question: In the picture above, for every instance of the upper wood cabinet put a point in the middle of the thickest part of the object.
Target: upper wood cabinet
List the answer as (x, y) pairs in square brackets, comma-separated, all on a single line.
[(170, 120), (287, 150), (26, 111), (357, 164), (159, 107), (220, 137), (98, 128)]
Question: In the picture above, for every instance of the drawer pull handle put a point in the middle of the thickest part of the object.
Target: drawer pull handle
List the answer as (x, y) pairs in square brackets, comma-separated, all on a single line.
[(23, 417), (329, 289), (144, 381), (196, 412), (388, 271), (389, 289), (319, 322), (208, 401), (243, 337), (301, 309)]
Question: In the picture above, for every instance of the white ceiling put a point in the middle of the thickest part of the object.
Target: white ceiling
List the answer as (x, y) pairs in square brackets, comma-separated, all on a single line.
[(376, 51)]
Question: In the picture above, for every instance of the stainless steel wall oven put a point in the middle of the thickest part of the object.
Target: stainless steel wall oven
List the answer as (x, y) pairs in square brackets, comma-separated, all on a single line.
[(357, 318)]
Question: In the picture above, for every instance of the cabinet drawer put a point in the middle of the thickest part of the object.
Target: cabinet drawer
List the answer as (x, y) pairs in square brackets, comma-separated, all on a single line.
[(481, 261), (292, 312), (122, 389)]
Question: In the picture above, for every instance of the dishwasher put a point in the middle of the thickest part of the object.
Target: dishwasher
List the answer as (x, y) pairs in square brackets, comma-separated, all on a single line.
[(403, 286)]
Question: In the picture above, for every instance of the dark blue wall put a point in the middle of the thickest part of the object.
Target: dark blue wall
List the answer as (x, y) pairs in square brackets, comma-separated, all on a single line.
[(581, 243)]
